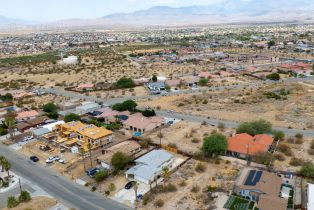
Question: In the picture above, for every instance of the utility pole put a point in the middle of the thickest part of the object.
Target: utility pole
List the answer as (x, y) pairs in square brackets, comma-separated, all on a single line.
[(160, 137), (20, 185)]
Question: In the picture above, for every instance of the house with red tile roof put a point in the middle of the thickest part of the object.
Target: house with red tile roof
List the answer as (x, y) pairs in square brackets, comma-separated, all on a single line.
[(241, 145)]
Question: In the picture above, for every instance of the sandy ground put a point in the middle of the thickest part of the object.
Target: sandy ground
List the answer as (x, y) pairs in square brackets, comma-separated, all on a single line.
[(297, 111), (136, 91), (186, 136), (219, 175), (37, 203)]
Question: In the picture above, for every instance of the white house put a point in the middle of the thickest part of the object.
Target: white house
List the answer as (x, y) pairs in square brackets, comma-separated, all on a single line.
[(310, 196), (149, 167)]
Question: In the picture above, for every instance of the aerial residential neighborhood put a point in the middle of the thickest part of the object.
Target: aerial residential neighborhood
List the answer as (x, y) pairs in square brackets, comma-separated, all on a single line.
[(159, 105)]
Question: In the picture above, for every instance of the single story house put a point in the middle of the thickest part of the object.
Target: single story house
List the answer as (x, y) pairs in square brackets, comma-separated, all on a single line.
[(24, 126), (241, 145), (138, 123), (191, 81), (262, 187), (87, 107), (26, 115), (149, 167), (129, 148), (156, 86)]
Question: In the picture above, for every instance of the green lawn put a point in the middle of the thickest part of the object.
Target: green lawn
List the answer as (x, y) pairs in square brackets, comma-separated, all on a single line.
[(237, 203)]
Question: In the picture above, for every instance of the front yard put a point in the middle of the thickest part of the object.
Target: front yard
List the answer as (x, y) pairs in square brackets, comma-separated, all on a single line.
[(238, 203)]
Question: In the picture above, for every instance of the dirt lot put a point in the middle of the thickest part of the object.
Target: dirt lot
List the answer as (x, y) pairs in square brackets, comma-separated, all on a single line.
[(186, 136), (192, 186), (37, 203), (137, 91), (294, 109), (300, 151)]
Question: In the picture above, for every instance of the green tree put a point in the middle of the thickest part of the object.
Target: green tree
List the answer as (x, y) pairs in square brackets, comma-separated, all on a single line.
[(129, 105), (24, 196), (271, 43), (101, 175), (255, 127), (203, 81), (149, 113), (312, 69), (307, 170), (119, 160), (53, 115), (10, 122), (273, 76), (125, 82), (214, 145), (5, 164), (278, 135), (50, 107), (154, 78), (71, 117)]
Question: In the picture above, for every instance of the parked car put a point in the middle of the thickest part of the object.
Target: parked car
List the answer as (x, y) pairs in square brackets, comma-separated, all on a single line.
[(129, 185), (34, 158), (140, 196), (27, 138), (52, 159), (62, 161), (91, 172)]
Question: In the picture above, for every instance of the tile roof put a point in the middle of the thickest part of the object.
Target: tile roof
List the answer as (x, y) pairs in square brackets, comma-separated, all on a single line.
[(27, 114), (244, 143), (139, 121)]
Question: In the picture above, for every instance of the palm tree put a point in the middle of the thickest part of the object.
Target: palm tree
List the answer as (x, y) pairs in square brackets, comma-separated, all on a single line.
[(1, 161), (135, 187), (9, 121), (165, 173), (90, 154), (7, 166), (83, 156)]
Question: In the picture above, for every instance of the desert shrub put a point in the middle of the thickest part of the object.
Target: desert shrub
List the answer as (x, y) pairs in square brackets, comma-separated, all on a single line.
[(299, 141), (169, 188), (172, 145), (101, 175), (12, 202), (200, 167), (284, 148), (24, 196), (312, 144), (221, 126), (112, 187), (307, 170), (310, 151), (299, 136), (159, 203), (182, 183), (279, 157), (195, 189), (296, 162), (195, 140)]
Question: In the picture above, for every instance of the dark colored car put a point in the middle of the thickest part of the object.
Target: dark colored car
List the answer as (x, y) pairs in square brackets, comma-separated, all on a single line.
[(129, 185), (34, 158), (140, 196), (91, 172)]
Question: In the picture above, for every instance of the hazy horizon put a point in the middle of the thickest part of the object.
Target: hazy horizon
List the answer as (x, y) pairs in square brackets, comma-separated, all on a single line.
[(45, 10)]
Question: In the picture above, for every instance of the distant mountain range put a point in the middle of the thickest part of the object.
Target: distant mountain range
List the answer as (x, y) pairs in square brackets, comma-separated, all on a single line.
[(227, 11)]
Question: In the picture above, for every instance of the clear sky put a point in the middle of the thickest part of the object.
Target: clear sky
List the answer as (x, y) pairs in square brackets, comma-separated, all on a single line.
[(49, 10)]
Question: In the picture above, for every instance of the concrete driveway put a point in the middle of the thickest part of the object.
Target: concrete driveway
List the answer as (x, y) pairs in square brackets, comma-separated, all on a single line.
[(128, 196)]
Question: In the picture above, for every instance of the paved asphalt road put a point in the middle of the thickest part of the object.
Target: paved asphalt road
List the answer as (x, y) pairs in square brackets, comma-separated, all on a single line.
[(228, 124), (65, 191)]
